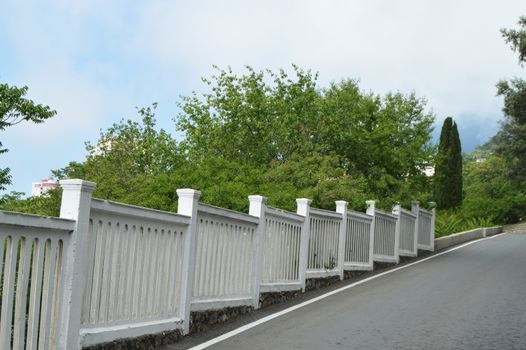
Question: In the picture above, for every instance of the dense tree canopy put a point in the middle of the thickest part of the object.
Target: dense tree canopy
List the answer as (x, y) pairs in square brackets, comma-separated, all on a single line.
[(273, 120), (511, 140), (126, 157), (275, 134)]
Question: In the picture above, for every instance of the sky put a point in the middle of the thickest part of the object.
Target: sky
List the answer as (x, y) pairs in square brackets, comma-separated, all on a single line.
[(95, 61)]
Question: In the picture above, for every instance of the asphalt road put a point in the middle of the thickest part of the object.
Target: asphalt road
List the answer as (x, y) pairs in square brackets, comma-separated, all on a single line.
[(471, 298)]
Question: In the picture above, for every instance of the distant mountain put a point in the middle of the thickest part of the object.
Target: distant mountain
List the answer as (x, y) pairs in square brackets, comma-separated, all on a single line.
[(473, 132)]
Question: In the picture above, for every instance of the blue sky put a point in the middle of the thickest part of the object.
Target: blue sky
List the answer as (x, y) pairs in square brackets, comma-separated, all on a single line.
[(95, 61)]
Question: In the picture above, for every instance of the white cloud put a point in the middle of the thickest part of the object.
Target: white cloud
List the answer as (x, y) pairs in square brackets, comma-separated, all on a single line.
[(450, 52)]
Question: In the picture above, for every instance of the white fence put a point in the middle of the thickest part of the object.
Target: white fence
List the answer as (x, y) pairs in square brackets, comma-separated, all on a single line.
[(225, 259), (134, 267), (281, 251), (32, 260), (107, 270), (426, 227), (386, 235), (322, 258), (408, 231), (359, 241)]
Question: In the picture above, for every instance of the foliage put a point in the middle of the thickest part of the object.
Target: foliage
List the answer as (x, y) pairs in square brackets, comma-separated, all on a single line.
[(47, 204), (385, 140), (310, 141), (15, 108), (448, 170), (449, 222), (511, 139), (249, 120), (331, 263), (126, 158), (268, 133), (489, 193)]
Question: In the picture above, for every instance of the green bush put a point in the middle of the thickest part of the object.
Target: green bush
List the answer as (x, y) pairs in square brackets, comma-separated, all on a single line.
[(449, 222)]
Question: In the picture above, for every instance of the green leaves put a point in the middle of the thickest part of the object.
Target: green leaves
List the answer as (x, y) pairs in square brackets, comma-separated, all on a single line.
[(489, 193), (448, 168), (517, 39), (126, 158), (276, 122), (14, 108), (255, 118), (270, 133)]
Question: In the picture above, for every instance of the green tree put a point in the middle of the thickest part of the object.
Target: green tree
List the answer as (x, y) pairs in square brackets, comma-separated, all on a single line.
[(489, 193), (276, 121), (448, 167), (456, 155), (255, 118), (275, 134), (47, 204), (15, 108), (385, 139), (126, 157), (511, 139)]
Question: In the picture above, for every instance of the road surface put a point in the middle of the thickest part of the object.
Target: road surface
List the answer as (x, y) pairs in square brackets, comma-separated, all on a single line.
[(471, 298)]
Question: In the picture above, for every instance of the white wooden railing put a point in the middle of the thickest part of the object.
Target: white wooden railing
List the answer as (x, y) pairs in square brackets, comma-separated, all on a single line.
[(323, 243), (359, 241), (134, 268), (408, 231), (32, 258), (386, 235), (225, 259), (106, 270), (281, 251), (426, 226)]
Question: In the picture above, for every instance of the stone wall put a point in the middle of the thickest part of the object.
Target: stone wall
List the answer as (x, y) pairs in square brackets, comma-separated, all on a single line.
[(202, 320), (145, 342), (317, 283), (272, 298), (347, 275)]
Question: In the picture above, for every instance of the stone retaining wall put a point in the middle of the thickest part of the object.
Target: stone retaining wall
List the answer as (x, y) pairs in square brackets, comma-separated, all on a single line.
[(203, 320), (145, 342), (272, 298), (317, 283)]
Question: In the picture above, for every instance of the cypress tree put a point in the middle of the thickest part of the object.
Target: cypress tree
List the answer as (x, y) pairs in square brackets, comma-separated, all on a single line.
[(448, 167), (456, 164)]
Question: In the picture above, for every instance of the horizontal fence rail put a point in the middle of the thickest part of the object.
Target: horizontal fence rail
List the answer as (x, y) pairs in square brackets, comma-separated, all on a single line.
[(358, 241), (281, 254), (32, 259), (224, 258), (323, 242), (408, 233)]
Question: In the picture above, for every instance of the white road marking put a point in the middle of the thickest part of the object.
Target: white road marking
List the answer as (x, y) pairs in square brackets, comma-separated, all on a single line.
[(326, 295)]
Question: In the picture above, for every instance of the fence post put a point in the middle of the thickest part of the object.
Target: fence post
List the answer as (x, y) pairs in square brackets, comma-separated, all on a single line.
[(303, 209), (341, 207), (75, 205), (432, 205), (187, 205), (371, 209), (415, 208), (397, 210), (257, 208)]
